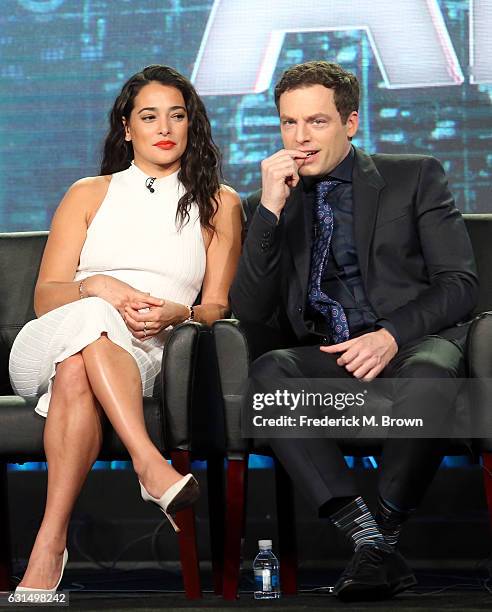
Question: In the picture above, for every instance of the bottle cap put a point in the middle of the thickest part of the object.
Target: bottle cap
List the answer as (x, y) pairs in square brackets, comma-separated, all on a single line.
[(264, 544)]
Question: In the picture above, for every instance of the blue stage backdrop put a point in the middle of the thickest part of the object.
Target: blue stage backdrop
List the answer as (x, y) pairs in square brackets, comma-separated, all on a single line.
[(424, 66)]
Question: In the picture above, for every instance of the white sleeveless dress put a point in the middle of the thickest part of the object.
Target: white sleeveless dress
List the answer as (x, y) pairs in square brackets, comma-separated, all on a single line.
[(134, 238)]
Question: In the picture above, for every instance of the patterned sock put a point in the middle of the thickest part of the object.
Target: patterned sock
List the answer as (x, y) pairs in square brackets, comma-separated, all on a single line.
[(390, 520), (357, 523)]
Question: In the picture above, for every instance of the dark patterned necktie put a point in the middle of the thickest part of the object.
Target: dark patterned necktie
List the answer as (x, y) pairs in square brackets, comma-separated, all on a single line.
[(323, 224)]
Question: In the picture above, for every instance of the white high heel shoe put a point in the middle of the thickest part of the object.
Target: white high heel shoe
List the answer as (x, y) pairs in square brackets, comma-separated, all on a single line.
[(20, 589), (180, 495)]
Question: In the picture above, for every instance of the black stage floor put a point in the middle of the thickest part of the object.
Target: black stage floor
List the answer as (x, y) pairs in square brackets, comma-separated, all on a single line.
[(444, 543), (466, 589)]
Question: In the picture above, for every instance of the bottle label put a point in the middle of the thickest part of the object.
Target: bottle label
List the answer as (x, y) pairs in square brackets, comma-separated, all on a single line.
[(265, 580)]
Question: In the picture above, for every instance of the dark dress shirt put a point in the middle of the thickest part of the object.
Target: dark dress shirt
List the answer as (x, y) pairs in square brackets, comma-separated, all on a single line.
[(341, 278)]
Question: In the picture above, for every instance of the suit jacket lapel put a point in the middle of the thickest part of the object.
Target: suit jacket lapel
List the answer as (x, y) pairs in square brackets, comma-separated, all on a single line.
[(299, 229), (366, 187)]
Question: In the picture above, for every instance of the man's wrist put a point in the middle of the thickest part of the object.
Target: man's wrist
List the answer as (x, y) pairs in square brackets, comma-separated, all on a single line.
[(387, 334), (389, 327)]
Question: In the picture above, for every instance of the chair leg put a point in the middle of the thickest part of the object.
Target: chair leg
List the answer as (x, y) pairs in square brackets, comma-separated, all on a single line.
[(487, 478), (216, 506), (286, 530), (235, 513), (187, 537)]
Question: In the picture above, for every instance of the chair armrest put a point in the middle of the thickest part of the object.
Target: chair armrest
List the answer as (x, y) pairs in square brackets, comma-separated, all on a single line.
[(479, 347), (237, 344), (233, 353), (177, 378), (479, 360), (233, 358), (193, 408)]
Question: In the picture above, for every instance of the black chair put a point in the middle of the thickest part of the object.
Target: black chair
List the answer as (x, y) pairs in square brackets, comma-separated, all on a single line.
[(194, 425), (170, 422), (234, 356)]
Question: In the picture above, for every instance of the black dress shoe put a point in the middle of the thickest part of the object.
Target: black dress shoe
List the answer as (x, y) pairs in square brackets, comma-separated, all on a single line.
[(400, 576), (376, 571)]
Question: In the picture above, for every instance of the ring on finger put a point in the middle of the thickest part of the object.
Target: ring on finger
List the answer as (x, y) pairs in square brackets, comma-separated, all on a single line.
[(145, 328)]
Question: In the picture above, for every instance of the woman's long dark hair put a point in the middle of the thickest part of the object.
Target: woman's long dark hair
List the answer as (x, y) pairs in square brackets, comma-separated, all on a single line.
[(201, 162)]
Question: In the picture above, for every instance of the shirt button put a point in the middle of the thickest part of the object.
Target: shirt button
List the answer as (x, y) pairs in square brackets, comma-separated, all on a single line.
[(264, 245), (299, 309), (267, 234), (324, 340)]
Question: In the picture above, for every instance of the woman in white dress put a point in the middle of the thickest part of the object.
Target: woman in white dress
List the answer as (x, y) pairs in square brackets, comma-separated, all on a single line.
[(127, 255)]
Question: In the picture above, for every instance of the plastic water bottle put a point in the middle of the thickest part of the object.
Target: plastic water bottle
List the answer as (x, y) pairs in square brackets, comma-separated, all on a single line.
[(265, 567)]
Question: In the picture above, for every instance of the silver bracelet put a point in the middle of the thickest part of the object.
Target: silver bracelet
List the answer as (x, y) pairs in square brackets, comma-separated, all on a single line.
[(191, 315)]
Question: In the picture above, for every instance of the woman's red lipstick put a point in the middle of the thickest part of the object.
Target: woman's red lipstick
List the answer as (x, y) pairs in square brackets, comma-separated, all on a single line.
[(165, 144)]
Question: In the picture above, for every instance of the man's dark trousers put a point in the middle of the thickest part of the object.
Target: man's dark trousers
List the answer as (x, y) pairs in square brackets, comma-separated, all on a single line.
[(408, 465)]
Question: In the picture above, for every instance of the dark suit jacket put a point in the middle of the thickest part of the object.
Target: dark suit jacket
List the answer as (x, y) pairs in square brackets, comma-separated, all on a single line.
[(415, 256)]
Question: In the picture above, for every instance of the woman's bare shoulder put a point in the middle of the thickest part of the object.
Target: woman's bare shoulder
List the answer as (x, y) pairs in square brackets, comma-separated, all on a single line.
[(90, 186), (228, 211), (226, 201), (85, 196), (229, 196)]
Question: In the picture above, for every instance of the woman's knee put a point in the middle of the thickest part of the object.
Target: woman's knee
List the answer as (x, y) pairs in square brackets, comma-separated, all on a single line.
[(71, 376)]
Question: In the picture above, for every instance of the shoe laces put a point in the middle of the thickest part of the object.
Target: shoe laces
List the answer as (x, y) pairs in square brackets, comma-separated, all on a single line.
[(367, 555)]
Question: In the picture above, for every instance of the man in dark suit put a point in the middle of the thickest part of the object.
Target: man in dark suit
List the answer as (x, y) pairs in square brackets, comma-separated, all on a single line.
[(364, 265)]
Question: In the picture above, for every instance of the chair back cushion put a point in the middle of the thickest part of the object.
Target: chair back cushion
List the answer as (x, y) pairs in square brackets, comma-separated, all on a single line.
[(20, 257)]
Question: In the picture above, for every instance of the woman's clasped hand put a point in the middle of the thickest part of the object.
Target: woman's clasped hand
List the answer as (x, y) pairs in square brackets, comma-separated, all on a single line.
[(145, 321), (145, 315)]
